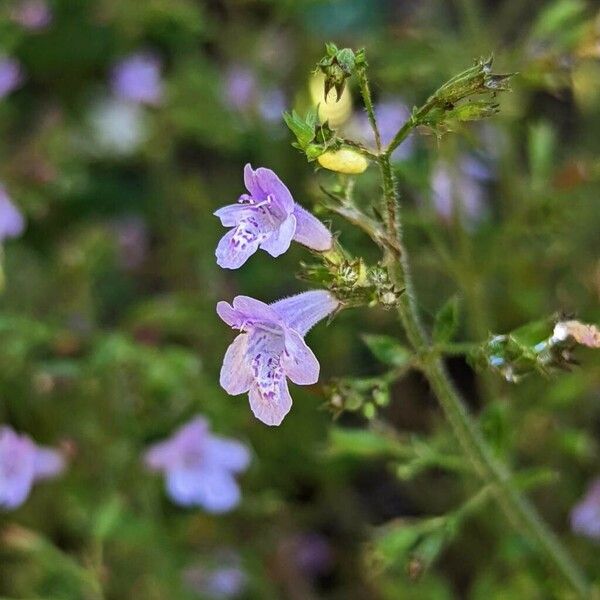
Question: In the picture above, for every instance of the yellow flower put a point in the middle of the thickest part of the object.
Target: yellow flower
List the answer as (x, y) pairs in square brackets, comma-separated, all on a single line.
[(344, 161)]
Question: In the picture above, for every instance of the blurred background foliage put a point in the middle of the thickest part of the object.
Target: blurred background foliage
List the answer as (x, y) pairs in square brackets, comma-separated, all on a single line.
[(109, 338)]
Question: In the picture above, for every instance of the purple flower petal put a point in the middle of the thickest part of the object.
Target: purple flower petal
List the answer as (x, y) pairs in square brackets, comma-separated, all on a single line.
[(48, 463), (279, 241), (21, 462), (299, 362), (310, 231), (12, 222), (271, 409), (585, 516), (199, 466), (251, 183), (11, 75), (274, 187), (215, 490), (232, 253), (303, 311), (138, 78), (236, 376), (254, 309), (229, 454), (232, 214)]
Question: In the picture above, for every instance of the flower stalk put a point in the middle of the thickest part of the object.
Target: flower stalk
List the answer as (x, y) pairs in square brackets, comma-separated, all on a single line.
[(516, 507)]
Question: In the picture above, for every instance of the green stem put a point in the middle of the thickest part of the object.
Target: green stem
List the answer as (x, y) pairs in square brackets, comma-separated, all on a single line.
[(365, 92), (516, 507)]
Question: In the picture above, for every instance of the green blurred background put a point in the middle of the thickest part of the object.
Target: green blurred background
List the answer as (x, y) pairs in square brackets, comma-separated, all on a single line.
[(108, 334)]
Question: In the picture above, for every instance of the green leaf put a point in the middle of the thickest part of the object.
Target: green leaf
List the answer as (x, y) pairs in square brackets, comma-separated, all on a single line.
[(387, 349), (446, 321), (303, 129), (359, 442)]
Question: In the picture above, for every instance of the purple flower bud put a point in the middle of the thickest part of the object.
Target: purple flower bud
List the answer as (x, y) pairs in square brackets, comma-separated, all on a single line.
[(199, 467), (32, 14), (271, 349), (137, 78), (585, 516), (22, 463), (12, 222), (267, 218), (11, 75)]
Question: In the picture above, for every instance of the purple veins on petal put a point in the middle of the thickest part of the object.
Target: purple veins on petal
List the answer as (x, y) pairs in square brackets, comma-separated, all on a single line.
[(199, 467), (268, 218), (271, 349)]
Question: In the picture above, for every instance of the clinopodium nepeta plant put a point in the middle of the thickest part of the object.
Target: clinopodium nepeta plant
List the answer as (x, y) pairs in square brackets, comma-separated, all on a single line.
[(270, 348)]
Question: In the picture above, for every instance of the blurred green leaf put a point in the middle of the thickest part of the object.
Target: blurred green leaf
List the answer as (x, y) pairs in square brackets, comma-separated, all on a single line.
[(446, 321), (387, 349)]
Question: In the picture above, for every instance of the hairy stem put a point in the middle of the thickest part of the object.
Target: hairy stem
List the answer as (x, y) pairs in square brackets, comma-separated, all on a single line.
[(365, 92), (516, 507)]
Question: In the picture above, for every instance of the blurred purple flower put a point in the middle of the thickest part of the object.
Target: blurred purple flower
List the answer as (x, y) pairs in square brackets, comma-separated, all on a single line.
[(459, 189), (12, 222), (391, 114), (199, 466), (312, 553), (132, 239), (228, 580), (11, 75), (240, 88), (22, 463), (266, 218), (272, 104), (137, 78), (32, 14), (271, 348), (585, 516)]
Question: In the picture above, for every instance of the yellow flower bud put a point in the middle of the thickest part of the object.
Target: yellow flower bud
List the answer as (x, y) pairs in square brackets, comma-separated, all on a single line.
[(344, 161)]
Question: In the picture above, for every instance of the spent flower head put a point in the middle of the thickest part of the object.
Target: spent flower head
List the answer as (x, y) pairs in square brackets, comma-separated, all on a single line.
[(199, 466), (22, 463), (271, 348)]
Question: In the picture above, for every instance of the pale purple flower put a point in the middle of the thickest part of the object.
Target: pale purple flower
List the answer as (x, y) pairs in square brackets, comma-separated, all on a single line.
[(272, 104), (137, 78), (32, 14), (22, 463), (199, 466), (12, 222), (228, 580), (460, 189), (271, 348), (585, 516), (240, 88), (11, 75), (267, 218)]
